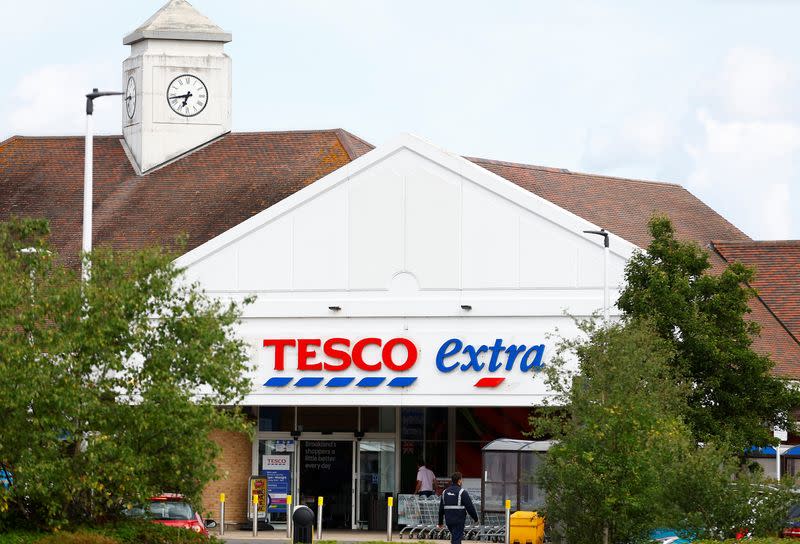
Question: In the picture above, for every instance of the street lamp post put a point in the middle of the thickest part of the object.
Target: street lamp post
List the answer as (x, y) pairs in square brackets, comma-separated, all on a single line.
[(604, 233), (88, 159)]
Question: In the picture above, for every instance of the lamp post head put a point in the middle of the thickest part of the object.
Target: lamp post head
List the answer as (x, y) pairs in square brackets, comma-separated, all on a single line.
[(96, 94), (602, 232)]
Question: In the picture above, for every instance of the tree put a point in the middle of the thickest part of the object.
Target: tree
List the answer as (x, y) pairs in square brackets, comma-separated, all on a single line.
[(619, 436), (733, 398), (624, 462), (109, 388)]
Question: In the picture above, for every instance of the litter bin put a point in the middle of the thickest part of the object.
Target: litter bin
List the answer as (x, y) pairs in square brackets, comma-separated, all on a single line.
[(303, 523), (526, 528)]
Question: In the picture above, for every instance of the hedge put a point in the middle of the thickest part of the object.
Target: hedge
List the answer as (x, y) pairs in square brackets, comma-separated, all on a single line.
[(129, 532)]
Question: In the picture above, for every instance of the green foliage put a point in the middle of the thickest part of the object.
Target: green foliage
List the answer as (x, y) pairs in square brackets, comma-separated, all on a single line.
[(144, 532), (625, 460), (714, 496), (81, 537), (129, 532), (108, 388), (622, 440), (19, 537), (767, 540), (732, 398)]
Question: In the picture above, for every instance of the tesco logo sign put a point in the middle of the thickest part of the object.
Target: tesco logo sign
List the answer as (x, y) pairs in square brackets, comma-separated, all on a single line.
[(396, 355)]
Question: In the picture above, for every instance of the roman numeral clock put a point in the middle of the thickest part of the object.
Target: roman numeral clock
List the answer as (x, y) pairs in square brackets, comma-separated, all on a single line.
[(177, 83), (187, 95)]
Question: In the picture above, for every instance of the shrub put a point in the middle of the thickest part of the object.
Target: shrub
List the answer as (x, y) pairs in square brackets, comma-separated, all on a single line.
[(144, 532), (81, 537), (18, 537)]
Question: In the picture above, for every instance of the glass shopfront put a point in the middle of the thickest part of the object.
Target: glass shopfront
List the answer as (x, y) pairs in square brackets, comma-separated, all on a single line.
[(356, 457)]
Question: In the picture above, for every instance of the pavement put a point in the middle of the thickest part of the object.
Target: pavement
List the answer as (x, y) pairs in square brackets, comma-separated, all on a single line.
[(279, 537), (342, 537)]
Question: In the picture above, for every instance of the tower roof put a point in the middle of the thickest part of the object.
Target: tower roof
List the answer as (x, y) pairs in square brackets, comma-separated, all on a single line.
[(178, 20)]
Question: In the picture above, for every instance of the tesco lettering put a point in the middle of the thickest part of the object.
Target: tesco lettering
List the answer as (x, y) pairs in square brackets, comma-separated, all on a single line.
[(401, 354), (341, 354)]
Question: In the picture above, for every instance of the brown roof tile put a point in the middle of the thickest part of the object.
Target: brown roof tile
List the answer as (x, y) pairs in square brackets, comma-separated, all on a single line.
[(777, 265), (201, 195)]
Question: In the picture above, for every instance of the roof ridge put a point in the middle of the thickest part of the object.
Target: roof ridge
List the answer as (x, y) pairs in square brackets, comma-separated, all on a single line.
[(787, 242), (298, 131), (68, 136), (346, 145), (359, 138), (9, 139), (567, 171)]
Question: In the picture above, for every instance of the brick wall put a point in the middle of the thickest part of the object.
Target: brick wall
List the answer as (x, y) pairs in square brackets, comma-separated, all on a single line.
[(234, 466)]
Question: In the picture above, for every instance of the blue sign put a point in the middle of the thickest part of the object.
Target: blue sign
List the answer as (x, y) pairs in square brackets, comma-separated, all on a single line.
[(5, 478), (277, 469)]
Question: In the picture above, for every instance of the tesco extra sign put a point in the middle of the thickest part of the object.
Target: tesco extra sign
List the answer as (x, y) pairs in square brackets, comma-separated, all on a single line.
[(317, 359)]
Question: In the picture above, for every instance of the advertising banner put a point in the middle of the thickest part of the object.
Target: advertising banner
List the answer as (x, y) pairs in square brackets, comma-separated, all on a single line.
[(277, 469), (258, 486)]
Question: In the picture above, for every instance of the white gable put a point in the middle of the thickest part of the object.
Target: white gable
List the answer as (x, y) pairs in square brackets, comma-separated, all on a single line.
[(408, 221), (463, 272)]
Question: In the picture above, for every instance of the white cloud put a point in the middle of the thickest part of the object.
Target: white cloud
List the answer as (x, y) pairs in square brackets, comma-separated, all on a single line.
[(737, 148), (640, 138), (745, 169), (51, 100), (755, 84), (745, 160)]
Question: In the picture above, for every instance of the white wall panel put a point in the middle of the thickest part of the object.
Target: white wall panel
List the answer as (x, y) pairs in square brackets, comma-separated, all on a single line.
[(590, 266), (490, 249), (376, 227), (320, 242), (432, 225), (217, 272), (548, 254), (265, 257)]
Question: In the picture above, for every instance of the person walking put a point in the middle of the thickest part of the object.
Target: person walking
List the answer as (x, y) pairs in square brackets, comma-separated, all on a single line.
[(425, 480), (454, 507)]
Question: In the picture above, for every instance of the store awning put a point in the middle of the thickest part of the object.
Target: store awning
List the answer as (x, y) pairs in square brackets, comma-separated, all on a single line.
[(769, 451), (792, 452)]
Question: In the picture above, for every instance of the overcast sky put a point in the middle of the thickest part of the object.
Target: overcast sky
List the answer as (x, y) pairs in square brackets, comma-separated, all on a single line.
[(702, 93)]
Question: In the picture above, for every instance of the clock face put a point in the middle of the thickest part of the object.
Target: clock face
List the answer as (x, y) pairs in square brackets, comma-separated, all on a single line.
[(187, 95), (130, 97)]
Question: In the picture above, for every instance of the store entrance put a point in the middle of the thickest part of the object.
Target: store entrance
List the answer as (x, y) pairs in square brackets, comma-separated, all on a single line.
[(326, 468)]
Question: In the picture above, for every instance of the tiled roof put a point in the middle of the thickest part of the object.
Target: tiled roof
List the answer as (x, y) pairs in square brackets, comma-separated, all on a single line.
[(777, 281), (201, 195), (624, 207), (218, 186)]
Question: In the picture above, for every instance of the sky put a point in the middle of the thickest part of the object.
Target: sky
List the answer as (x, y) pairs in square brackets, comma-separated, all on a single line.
[(704, 93)]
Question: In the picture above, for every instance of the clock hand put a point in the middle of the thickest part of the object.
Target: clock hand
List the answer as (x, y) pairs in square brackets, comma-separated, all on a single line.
[(187, 95)]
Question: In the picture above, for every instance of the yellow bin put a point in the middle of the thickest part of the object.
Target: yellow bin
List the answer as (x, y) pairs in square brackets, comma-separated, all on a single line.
[(526, 528)]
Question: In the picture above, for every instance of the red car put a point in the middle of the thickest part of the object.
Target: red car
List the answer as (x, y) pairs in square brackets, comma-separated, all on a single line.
[(173, 510)]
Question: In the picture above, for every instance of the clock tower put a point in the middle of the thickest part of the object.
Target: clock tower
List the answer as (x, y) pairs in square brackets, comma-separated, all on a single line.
[(177, 83)]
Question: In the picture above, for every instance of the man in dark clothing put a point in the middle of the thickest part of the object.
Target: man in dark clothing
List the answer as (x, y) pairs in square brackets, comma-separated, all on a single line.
[(454, 507)]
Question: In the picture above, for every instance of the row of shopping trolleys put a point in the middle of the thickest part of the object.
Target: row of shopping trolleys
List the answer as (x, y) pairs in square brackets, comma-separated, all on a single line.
[(493, 528)]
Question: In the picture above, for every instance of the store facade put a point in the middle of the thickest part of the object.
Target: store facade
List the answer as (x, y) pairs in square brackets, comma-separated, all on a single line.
[(405, 306), (406, 298)]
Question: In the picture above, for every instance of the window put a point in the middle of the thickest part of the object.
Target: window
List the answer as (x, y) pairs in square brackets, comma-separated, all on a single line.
[(275, 418)]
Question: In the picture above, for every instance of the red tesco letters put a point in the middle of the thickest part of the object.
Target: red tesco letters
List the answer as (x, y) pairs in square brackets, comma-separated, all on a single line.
[(339, 355)]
